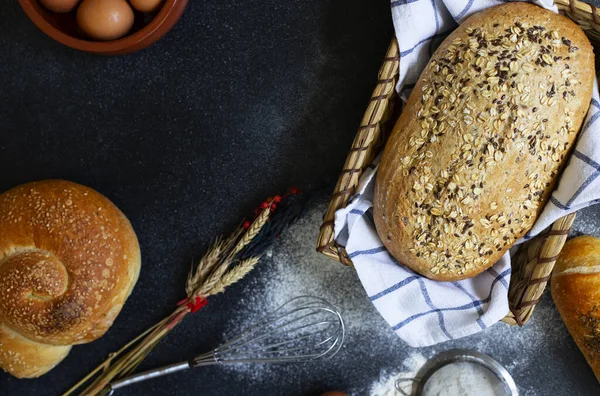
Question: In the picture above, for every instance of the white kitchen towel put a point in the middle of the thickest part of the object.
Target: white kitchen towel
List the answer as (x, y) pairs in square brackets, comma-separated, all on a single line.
[(421, 311)]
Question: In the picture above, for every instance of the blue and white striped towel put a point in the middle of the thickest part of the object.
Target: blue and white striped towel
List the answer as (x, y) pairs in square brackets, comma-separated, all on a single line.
[(421, 311)]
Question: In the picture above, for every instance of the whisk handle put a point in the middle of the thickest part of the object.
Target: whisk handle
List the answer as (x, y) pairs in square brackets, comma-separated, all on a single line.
[(146, 375)]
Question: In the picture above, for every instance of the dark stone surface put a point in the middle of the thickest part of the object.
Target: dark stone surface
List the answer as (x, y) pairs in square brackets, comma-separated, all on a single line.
[(239, 101)]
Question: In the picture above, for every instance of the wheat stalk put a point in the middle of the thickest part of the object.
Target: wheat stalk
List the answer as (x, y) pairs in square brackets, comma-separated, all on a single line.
[(253, 231), (235, 275), (216, 277), (212, 275), (207, 262)]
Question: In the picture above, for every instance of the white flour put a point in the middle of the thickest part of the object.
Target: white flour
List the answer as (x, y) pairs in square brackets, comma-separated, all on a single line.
[(587, 222), (458, 379), (297, 269), (387, 383), (294, 269), (463, 379)]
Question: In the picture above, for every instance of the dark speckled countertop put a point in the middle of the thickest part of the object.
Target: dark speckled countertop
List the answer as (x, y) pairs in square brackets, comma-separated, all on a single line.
[(239, 101)]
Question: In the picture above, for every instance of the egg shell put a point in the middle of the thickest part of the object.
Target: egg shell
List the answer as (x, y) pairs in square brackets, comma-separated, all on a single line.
[(105, 19), (59, 6), (146, 5)]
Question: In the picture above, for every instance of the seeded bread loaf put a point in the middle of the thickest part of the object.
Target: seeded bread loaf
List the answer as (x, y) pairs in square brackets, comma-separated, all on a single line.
[(576, 294), (480, 143), (69, 259)]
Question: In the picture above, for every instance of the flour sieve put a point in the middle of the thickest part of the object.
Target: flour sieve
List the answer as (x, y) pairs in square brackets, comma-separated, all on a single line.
[(500, 381)]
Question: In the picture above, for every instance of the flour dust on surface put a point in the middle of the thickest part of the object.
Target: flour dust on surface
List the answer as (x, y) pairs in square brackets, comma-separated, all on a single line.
[(386, 386), (372, 352)]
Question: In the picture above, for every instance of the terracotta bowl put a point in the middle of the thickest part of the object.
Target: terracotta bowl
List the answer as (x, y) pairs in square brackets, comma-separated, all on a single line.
[(63, 28)]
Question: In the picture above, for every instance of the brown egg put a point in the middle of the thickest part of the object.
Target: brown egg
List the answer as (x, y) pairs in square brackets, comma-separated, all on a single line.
[(105, 19), (146, 5), (334, 393), (59, 5)]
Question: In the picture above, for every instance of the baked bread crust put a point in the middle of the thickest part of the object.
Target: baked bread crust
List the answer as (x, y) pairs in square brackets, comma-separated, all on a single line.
[(576, 293), (481, 141), (68, 261)]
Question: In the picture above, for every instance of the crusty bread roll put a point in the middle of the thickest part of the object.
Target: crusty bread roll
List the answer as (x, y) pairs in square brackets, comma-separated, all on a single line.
[(576, 292), (476, 152), (68, 261)]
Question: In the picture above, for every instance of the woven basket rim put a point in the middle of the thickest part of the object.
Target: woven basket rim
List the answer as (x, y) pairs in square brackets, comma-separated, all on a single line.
[(531, 269)]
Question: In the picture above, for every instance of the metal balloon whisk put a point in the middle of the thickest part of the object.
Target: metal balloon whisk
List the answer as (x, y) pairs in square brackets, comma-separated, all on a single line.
[(304, 329)]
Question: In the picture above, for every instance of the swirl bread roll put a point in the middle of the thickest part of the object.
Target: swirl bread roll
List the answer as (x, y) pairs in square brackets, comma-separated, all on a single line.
[(479, 146), (576, 293), (68, 261)]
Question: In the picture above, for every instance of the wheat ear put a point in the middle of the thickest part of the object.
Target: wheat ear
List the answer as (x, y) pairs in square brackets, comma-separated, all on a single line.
[(205, 265), (235, 275), (253, 231), (245, 239)]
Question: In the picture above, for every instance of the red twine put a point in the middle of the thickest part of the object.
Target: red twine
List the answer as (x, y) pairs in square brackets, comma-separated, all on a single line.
[(194, 306), (271, 203)]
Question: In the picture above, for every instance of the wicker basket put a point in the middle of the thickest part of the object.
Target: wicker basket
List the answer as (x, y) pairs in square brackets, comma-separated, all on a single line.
[(534, 260)]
